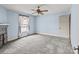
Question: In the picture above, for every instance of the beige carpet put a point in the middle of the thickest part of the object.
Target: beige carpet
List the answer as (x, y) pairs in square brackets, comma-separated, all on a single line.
[(38, 44)]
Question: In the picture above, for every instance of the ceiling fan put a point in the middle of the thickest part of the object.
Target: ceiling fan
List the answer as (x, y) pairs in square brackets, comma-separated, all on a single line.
[(39, 11)]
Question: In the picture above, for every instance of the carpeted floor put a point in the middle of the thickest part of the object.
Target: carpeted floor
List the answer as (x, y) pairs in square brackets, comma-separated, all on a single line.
[(38, 44)]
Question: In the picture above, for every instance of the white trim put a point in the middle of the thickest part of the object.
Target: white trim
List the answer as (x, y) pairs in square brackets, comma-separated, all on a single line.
[(12, 38), (55, 34)]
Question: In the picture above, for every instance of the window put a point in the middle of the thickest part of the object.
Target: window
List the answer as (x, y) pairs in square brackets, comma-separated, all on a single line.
[(24, 24)]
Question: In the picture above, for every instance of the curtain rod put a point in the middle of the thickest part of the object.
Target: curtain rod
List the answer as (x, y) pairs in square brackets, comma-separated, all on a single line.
[(23, 15)]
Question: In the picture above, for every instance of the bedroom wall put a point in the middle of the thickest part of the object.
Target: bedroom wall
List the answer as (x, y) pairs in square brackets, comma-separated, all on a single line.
[(78, 22), (74, 25), (49, 24), (32, 24), (3, 15), (13, 25)]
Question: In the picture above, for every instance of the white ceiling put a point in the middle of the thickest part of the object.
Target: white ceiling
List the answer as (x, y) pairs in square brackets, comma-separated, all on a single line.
[(52, 8)]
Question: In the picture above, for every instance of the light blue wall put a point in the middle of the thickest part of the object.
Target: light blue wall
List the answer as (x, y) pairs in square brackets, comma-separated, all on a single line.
[(3, 15), (48, 23), (74, 25), (32, 24), (13, 25)]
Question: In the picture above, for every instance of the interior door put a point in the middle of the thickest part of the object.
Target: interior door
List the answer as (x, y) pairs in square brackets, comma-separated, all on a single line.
[(64, 25), (23, 25)]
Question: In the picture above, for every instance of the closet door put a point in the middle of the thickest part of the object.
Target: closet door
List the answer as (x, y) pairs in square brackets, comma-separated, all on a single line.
[(64, 25)]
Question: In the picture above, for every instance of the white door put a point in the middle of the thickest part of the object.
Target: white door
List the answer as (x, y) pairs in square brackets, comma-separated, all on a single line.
[(64, 25)]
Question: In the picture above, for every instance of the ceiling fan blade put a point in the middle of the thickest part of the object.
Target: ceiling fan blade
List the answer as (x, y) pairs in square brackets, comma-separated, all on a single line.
[(34, 12), (44, 10)]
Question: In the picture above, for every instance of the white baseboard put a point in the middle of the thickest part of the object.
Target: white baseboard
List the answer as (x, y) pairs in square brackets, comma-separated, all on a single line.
[(12, 38), (55, 34)]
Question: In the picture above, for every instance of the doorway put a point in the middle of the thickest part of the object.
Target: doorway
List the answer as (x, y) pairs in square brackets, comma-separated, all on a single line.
[(23, 26)]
